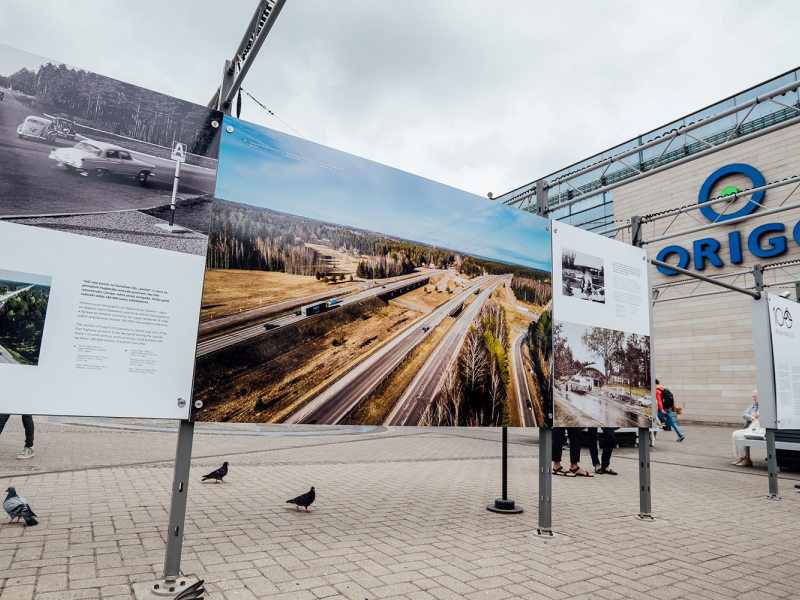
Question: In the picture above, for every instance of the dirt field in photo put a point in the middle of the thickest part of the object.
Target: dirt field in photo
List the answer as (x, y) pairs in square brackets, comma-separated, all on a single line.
[(226, 292), (514, 317), (268, 378), (337, 262), (383, 398), (430, 299)]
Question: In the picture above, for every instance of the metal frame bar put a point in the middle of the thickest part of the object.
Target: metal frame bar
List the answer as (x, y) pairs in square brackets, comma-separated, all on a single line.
[(728, 286), (671, 136), (545, 483), (177, 513)]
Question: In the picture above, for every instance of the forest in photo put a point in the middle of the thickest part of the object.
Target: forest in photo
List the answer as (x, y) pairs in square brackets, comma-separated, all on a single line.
[(474, 389), (258, 239), (115, 107), (22, 320), (533, 291)]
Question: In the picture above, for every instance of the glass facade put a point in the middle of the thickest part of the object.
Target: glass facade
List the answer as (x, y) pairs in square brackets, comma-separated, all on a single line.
[(596, 213)]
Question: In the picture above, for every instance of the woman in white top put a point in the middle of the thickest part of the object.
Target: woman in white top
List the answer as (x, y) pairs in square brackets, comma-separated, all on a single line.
[(742, 453)]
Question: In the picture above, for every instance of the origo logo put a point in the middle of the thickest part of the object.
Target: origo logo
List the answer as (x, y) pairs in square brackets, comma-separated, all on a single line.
[(710, 250), (783, 318)]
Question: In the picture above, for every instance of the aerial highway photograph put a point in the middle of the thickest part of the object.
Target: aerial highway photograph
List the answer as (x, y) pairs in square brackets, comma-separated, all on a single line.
[(90, 155), (23, 308), (340, 294)]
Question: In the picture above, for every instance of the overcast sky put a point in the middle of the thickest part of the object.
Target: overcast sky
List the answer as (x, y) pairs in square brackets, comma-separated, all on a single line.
[(481, 96)]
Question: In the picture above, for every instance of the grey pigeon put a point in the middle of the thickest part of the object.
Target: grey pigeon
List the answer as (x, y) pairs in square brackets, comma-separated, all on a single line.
[(218, 474), (193, 592), (304, 500), (17, 508)]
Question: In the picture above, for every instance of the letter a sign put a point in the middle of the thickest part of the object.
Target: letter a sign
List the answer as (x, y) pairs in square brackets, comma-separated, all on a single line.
[(179, 151)]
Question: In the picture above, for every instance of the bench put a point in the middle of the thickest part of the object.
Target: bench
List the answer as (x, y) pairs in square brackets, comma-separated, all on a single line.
[(787, 447)]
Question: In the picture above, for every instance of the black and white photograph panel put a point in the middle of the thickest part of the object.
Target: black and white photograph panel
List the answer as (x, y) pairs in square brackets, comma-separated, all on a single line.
[(582, 276), (90, 155)]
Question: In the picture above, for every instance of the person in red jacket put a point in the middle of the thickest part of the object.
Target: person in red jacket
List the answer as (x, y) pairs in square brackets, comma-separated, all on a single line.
[(666, 415)]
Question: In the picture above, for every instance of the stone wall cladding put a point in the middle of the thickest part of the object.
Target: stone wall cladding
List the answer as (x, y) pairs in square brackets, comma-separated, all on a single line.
[(704, 346)]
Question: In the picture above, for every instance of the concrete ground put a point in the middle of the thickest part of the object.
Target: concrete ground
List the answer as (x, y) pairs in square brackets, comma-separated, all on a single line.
[(400, 513)]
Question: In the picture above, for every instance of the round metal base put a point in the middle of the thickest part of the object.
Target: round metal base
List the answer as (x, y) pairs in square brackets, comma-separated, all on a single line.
[(544, 534), (774, 497), (171, 588), (504, 506), (646, 518)]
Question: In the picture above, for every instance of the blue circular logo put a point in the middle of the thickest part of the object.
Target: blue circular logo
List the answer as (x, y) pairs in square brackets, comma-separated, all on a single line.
[(705, 192)]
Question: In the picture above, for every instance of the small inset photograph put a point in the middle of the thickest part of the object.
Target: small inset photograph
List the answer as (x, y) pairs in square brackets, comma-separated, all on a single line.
[(582, 276), (23, 308), (90, 155), (601, 377)]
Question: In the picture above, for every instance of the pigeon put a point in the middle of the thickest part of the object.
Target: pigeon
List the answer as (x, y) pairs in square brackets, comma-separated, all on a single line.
[(193, 592), (304, 500), (17, 507), (218, 474)]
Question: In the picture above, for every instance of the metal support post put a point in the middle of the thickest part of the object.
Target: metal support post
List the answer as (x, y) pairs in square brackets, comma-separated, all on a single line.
[(644, 475), (636, 231), (545, 484), (758, 277), (504, 505), (173, 583), (797, 291), (225, 88), (772, 466), (541, 198)]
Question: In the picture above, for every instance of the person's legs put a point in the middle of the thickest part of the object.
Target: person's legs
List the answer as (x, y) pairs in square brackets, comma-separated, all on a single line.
[(609, 441), (672, 423), (558, 445), (574, 434), (593, 446), (3, 421), (740, 452), (27, 423)]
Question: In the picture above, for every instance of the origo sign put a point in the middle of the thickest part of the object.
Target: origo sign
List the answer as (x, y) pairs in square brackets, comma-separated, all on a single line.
[(764, 241)]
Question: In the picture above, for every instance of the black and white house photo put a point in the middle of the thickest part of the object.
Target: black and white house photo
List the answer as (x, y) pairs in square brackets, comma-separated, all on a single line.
[(86, 154), (582, 276)]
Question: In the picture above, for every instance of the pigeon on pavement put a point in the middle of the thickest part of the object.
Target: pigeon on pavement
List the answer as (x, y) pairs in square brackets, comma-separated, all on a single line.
[(218, 474), (193, 592), (17, 508), (304, 500)]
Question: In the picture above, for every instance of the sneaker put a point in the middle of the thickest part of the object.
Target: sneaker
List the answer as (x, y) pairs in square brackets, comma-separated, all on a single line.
[(680, 439), (26, 453)]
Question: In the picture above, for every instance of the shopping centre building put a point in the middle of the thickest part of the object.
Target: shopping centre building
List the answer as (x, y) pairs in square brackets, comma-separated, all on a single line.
[(703, 334)]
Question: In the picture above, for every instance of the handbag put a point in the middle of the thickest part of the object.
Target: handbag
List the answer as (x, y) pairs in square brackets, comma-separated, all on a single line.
[(755, 431)]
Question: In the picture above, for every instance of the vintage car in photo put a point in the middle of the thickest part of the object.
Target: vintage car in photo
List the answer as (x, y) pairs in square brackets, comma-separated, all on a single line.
[(38, 128), (100, 159)]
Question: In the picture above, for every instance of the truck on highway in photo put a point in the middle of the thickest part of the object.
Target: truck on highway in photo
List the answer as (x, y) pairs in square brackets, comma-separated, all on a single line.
[(332, 302)]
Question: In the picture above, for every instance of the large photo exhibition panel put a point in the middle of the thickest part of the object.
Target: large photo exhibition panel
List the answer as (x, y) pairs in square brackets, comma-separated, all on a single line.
[(101, 277), (342, 291), (786, 360), (601, 332)]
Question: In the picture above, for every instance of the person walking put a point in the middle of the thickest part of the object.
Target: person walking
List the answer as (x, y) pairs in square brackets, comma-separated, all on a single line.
[(609, 441), (27, 423), (574, 434), (742, 453), (665, 412)]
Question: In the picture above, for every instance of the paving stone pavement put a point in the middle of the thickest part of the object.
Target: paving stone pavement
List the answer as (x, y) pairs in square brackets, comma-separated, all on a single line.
[(400, 513)]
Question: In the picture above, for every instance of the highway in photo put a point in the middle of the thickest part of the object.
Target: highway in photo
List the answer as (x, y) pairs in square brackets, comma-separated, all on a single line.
[(229, 339), (32, 184), (521, 380), (265, 310), (409, 407), (339, 400), (11, 294), (6, 358)]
